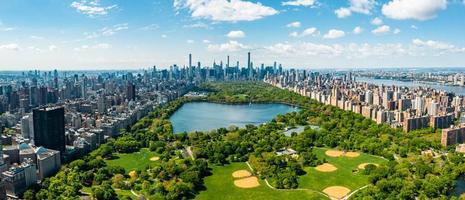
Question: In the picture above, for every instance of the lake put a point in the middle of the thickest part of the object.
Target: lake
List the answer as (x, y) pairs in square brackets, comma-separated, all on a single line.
[(204, 116), (457, 90)]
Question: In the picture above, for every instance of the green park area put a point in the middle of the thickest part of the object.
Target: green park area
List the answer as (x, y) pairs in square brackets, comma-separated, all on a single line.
[(134, 161), (221, 185), (346, 171)]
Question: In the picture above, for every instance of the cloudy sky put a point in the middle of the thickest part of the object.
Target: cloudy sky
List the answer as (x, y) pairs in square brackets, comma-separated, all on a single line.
[(122, 34)]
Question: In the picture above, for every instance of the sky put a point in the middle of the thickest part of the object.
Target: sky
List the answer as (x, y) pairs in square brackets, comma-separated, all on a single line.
[(136, 34)]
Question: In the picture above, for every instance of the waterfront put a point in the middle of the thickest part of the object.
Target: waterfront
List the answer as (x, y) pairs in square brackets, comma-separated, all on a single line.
[(448, 88), (204, 116)]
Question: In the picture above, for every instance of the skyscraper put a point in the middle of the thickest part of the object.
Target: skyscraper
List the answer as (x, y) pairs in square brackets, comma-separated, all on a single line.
[(131, 92), (249, 66), (49, 128), (190, 60)]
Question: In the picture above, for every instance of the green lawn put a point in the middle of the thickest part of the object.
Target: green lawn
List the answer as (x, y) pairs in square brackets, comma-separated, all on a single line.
[(343, 176), (220, 185), (134, 161)]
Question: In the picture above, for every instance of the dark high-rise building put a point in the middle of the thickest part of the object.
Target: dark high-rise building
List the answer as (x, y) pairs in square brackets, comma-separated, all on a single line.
[(49, 128), (190, 60), (248, 60), (131, 92), (249, 66)]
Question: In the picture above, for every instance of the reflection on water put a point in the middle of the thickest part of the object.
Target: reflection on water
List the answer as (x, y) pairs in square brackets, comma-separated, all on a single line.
[(203, 116), (458, 90)]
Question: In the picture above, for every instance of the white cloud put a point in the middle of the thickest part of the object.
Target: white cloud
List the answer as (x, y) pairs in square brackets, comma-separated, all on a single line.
[(294, 34), (35, 37), (96, 46), (362, 6), (414, 27), (92, 8), (293, 25), (231, 46), (6, 29), (10, 47), (149, 27), (164, 36), (382, 30), (309, 31), (225, 10), (349, 51), (417, 48), (432, 44), (197, 25), (190, 41), (102, 46), (413, 9), (377, 21), (33, 48), (343, 12), (358, 6), (52, 48), (109, 31), (434, 48), (312, 31), (333, 34), (299, 3), (206, 41), (357, 30), (236, 34), (396, 31)]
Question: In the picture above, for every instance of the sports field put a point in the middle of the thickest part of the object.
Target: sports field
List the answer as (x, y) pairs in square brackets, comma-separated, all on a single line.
[(221, 185), (340, 176), (134, 161), (344, 173)]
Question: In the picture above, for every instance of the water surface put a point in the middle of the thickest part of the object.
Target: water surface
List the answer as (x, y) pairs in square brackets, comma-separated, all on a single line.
[(457, 90), (204, 116)]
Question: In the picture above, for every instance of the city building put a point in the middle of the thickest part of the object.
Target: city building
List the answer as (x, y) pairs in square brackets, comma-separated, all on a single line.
[(49, 128)]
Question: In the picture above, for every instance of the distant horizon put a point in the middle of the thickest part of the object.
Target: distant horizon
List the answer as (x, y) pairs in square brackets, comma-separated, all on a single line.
[(118, 34), (284, 67)]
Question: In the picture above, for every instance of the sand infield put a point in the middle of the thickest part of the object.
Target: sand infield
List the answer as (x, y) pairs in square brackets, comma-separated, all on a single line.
[(337, 192), (241, 174), (249, 182), (363, 165), (155, 158), (337, 153), (244, 179), (326, 167), (334, 153)]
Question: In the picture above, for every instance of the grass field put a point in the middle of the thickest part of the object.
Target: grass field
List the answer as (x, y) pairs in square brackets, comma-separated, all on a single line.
[(343, 176), (220, 186), (134, 161)]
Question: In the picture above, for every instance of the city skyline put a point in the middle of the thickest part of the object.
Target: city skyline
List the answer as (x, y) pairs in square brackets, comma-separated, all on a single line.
[(113, 34)]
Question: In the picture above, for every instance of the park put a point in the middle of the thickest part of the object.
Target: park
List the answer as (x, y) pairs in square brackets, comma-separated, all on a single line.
[(337, 178)]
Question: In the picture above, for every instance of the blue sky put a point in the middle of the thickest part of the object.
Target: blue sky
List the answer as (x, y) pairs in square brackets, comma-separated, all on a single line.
[(122, 34)]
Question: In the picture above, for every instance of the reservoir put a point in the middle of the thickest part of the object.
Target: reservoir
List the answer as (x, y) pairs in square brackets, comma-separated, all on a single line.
[(204, 116)]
